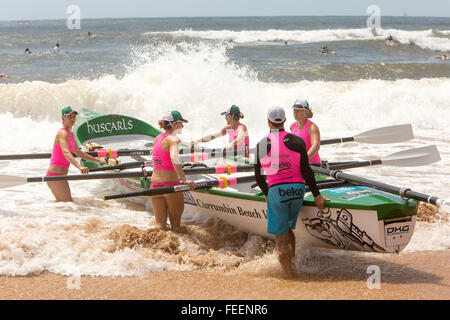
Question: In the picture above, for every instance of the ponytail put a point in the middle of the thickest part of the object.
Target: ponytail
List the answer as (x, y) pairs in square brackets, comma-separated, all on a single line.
[(164, 124)]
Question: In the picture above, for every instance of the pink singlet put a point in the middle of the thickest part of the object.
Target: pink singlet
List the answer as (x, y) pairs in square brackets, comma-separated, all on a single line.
[(303, 133), (161, 159), (232, 135), (281, 164), (58, 159)]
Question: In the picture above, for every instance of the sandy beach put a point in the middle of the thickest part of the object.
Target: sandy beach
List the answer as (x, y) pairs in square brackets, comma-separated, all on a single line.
[(423, 275)]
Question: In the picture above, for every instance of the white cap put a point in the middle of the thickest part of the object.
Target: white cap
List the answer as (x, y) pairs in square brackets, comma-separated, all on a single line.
[(301, 104), (276, 115)]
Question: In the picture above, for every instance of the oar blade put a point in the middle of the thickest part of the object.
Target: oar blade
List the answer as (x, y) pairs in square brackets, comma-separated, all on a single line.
[(390, 134), (8, 181), (413, 157), (444, 205)]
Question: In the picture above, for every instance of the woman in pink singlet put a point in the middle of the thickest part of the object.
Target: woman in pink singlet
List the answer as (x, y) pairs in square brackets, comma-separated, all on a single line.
[(63, 147), (237, 132), (167, 171), (306, 129)]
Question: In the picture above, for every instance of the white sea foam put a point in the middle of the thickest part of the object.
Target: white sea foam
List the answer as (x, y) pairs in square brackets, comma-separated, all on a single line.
[(424, 39)]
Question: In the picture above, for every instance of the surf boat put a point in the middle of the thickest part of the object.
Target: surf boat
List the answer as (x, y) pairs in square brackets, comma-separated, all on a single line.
[(358, 216)]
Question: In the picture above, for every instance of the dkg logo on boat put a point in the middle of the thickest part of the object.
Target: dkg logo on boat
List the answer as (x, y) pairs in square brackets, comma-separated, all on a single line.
[(397, 230), (110, 127)]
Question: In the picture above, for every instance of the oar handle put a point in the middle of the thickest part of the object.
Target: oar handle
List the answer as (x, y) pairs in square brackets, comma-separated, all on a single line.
[(25, 156), (336, 140), (87, 176), (358, 164), (222, 182), (227, 169), (123, 166)]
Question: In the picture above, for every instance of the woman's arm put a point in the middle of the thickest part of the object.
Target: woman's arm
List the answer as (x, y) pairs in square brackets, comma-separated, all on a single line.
[(85, 156), (210, 137), (63, 138), (315, 139), (174, 143)]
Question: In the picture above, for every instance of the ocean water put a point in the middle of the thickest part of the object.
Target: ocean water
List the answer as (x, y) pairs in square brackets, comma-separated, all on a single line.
[(200, 66)]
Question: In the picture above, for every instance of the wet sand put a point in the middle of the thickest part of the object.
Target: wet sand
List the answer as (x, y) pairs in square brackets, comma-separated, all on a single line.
[(419, 275)]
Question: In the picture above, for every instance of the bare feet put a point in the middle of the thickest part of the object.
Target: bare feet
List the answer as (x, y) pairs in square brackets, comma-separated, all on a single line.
[(286, 263)]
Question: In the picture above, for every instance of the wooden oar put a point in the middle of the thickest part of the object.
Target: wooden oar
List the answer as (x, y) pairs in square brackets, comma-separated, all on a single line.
[(8, 181), (402, 191), (407, 158), (222, 182), (390, 134)]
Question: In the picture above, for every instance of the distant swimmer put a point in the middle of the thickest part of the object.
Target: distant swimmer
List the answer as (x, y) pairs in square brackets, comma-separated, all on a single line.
[(285, 42), (390, 41), (27, 51), (4, 76), (443, 57), (56, 49), (325, 50)]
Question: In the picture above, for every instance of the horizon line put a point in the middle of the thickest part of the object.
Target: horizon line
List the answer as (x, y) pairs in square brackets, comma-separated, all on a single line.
[(236, 16)]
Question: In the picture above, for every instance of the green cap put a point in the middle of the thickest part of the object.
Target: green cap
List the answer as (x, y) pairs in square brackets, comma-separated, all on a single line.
[(173, 116), (233, 110), (67, 110)]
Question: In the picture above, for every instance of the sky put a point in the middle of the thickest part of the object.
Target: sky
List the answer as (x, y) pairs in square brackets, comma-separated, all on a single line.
[(57, 9)]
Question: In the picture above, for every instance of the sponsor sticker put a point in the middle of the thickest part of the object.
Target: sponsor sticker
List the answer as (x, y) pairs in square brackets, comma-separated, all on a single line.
[(344, 190), (397, 233), (189, 199)]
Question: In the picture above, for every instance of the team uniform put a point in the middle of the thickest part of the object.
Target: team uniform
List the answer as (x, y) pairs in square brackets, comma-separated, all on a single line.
[(284, 158), (58, 159), (243, 145), (161, 161), (304, 134)]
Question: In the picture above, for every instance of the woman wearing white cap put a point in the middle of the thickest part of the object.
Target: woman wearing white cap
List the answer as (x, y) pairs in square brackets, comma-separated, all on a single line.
[(237, 132), (167, 171), (284, 159), (306, 129)]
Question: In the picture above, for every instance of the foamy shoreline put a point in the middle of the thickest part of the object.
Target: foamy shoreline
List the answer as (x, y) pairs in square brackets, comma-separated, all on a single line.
[(423, 275)]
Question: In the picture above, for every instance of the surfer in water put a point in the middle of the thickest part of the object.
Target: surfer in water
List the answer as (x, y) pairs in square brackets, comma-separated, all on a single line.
[(306, 129), (4, 76), (443, 57), (63, 147), (167, 172), (390, 40), (324, 50), (56, 49), (284, 158), (237, 132)]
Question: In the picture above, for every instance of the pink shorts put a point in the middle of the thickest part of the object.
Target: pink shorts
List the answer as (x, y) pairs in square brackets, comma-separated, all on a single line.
[(52, 174), (164, 184)]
